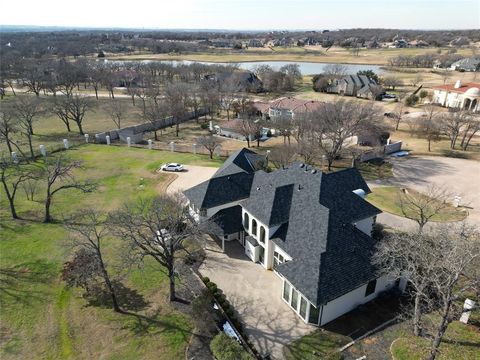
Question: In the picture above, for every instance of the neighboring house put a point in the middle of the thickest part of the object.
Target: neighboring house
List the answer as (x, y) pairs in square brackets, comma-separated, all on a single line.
[(232, 129), (289, 106), (458, 96), (314, 230), (401, 43), (243, 80), (353, 85), (255, 43), (468, 64)]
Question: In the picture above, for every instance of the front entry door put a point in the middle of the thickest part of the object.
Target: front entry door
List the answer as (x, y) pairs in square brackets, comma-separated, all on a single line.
[(261, 255)]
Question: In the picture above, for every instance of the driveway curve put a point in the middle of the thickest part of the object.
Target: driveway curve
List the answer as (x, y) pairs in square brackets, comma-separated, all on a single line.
[(460, 177), (191, 176)]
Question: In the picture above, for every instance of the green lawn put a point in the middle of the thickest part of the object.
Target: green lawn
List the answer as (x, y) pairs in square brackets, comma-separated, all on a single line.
[(387, 198), (40, 318)]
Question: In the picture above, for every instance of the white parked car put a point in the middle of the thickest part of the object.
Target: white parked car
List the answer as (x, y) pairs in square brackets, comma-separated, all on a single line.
[(172, 167)]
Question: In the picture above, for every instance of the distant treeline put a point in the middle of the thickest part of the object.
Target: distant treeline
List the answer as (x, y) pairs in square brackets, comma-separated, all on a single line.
[(77, 43)]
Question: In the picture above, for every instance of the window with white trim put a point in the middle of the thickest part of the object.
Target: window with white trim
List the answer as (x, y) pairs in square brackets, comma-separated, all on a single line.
[(278, 259)]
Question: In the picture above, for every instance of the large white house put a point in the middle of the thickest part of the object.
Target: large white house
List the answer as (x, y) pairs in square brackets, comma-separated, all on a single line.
[(314, 230), (458, 96)]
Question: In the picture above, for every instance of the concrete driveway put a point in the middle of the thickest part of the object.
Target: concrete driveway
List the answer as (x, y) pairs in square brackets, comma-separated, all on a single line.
[(255, 294), (459, 176), (191, 176)]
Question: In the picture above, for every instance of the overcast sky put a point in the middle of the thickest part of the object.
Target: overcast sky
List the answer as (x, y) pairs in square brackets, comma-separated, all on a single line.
[(245, 14)]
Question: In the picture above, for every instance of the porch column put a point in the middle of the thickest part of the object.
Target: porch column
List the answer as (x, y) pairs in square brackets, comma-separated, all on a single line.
[(223, 243)]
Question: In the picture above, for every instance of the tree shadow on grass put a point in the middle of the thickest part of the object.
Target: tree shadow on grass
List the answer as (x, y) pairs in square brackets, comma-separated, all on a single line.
[(155, 323), (128, 299), (16, 282)]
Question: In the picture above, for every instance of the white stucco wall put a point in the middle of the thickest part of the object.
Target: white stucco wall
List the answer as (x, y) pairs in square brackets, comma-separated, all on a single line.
[(351, 300), (268, 245)]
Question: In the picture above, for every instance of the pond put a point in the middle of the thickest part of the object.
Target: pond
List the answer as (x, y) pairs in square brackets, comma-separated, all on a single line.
[(306, 68)]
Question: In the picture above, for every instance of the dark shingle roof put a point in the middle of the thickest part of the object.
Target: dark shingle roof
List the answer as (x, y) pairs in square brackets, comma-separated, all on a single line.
[(242, 160), (226, 221), (314, 214), (220, 190)]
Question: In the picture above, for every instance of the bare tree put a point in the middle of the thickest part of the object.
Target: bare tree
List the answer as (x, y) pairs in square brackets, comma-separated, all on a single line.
[(422, 207), (428, 126), (228, 90), (8, 127), (334, 125), (58, 174), (117, 111), (33, 75), (156, 228), (408, 255), (451, 124), (282, 156), (457, 249), (245, 127), (156, 114), (12, 176), (392, 82), (284, 124), (472, 127), (399, 112), (178, 102), (78, 105), (88, 230), (209, 142), (61, 107), (26, 109), (417, 79)]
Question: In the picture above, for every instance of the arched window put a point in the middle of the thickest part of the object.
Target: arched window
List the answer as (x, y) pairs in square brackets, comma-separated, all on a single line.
[(254, 227), (246, 221), (262, 234)]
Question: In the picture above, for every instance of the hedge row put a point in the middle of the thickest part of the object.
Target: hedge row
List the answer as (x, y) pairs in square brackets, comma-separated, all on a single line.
[(228, 309)]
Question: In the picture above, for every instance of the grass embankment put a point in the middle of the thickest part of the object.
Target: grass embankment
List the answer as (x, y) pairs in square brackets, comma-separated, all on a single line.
[(387, 198), (40, 318)]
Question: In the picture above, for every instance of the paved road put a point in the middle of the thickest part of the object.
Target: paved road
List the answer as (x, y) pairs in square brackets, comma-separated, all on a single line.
[(459, 176)]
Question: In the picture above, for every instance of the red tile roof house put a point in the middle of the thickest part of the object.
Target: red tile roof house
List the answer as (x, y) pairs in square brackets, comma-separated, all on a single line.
[(458, 95)]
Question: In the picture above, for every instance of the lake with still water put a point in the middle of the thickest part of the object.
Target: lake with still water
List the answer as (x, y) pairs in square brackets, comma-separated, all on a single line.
[(306, 68)]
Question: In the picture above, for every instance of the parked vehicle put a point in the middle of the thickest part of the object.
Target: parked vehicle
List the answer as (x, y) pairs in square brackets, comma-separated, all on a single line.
[(399, 154), (172, 167)]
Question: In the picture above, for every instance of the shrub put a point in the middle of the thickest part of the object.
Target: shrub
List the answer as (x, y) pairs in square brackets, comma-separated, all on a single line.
[(205, 279), (230, 313), (212, 287), (411, 100), (221, 299), (226, 348)]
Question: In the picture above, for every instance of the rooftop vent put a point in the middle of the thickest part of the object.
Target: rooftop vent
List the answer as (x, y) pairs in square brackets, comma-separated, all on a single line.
[(301, 165), (314, 171), (300, 187), (258, 188), (458, 84)]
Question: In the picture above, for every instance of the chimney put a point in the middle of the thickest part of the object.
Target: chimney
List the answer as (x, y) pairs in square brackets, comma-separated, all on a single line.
[(458, 84)]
